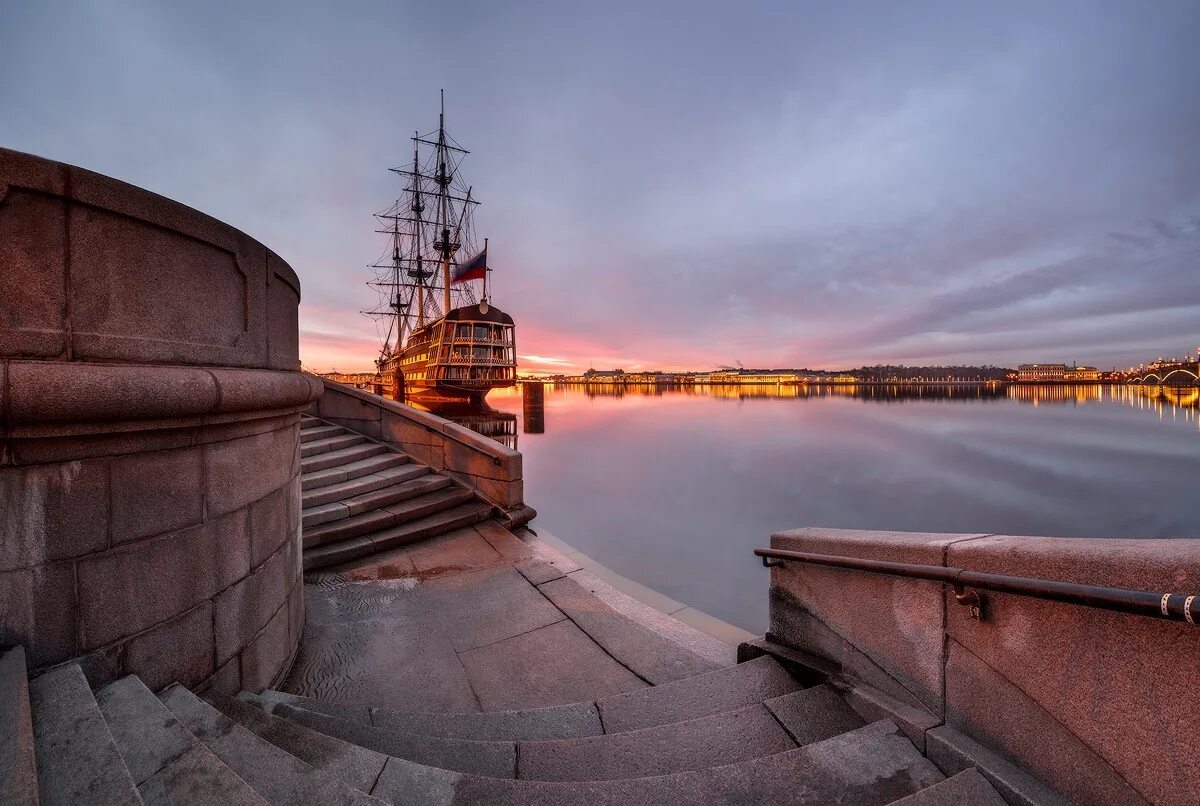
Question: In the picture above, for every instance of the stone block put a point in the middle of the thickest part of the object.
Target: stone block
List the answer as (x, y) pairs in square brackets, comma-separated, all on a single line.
[(263, 660), (982, 704), (179, 650), (282, 321), (1099, 676), (18, 783), (244, 470), (156, 492), (896, 623), (255, 390), (134, 587), (479, 463), (296, 611), (953, 752), (38, 610), (227, 679), (272, 521), (52, 512), (32, 273), (199, 308), (102, 666), (504, 494), (336, 404), (244, 608), (77, 392), (405, 432)]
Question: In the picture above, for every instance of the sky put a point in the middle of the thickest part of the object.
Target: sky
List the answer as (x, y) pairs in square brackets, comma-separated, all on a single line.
[(676, 185)]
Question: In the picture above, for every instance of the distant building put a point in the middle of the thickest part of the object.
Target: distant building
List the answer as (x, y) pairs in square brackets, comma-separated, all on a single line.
[(1056, 373), (1042, 372), (1082, 374)]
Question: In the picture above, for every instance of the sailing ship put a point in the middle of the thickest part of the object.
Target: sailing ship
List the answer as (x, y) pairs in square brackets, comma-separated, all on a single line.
[(442, 341)]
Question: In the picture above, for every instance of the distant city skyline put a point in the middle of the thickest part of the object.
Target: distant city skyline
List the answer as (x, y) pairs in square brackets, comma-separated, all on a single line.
[(683, 186)]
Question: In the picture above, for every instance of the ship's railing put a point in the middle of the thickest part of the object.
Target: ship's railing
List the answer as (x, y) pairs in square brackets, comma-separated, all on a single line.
[(503, 342), (1170, 606), (457, 360)]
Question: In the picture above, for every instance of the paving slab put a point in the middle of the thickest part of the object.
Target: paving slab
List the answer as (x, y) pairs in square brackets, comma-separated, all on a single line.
[(720, 690), (18, 783), (495, 759), (77, 759), (553, 665), (392, 660), (651, 656), (482, 607), (710, 741), (275, 774), (358, 766), (460, 550), (967, 788), (814, 714), (695, 641)]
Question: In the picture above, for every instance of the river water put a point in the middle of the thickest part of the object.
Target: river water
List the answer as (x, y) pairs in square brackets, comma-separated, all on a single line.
[(675, 488)]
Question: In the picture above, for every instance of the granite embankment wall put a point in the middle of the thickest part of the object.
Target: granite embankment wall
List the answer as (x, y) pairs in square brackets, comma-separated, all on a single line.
[(491, 469), (1099, 705), (150, 401)]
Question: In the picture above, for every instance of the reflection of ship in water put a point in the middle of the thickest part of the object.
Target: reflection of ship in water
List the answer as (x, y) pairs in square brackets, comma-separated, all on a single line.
[(1040, 394), (482, 419)]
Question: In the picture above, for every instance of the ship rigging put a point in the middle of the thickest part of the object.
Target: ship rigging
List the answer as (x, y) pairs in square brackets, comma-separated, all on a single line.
[(440, 341)]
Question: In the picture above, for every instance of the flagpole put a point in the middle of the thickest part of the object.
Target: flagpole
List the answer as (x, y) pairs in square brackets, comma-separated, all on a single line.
[(485, 269)]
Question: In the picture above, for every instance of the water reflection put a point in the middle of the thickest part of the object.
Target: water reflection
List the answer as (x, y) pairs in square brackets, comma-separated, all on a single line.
[(675, 487)]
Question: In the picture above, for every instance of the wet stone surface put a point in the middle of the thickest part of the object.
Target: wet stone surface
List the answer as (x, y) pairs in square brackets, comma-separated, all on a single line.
[(455, 624)]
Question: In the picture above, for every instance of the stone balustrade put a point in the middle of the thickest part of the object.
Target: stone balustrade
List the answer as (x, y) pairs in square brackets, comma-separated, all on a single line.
[(150, 401), (491, 469), (1097, 704)]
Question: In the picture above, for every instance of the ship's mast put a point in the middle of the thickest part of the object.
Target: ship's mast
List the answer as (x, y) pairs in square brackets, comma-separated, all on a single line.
[(418, 207), (443, 180)]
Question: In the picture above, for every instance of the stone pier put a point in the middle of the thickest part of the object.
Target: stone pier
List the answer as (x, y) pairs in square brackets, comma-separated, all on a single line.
[(150, 399)]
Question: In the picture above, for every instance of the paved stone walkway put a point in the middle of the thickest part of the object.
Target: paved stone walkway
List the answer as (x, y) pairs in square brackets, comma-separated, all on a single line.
[(480, 619)]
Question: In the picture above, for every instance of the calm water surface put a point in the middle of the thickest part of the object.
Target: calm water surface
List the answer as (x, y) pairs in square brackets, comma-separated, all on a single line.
[(674, 489)]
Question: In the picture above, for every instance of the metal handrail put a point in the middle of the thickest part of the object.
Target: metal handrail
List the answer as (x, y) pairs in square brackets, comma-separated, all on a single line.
[(1169, 606)]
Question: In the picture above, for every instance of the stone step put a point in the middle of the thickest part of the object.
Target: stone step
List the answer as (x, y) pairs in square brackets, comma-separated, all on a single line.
[(168, 764), (275, 774), (745, 733), (554, 722), (388, 516), (357, 766), (354, 470), (373, 499), (491, 759), (871, 766), (342, 456), (18, 763), (723, 690), (967, 788), (363, 484), (319, 432), (421, 529), (711, 693), (77, 759), (710, 741), (316, 446)]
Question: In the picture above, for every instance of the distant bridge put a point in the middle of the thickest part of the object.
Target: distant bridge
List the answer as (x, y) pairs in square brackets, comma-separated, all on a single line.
[(1185, 378)]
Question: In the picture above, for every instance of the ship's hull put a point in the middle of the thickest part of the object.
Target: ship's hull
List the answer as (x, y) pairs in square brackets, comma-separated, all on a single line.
[(459, 358)]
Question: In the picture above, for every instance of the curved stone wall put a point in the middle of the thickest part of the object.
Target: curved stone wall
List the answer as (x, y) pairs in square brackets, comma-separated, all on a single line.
[(149, 450), (1094, 703)]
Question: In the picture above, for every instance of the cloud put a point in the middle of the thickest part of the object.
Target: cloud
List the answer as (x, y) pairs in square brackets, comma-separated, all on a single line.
[(783, 185)]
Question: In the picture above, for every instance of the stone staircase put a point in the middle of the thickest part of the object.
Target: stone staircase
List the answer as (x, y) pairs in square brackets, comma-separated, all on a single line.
[(362, 497), (743, 734)]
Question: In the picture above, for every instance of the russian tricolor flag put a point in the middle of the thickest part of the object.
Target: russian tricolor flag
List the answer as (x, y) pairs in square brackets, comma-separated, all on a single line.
[(473, 269)]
